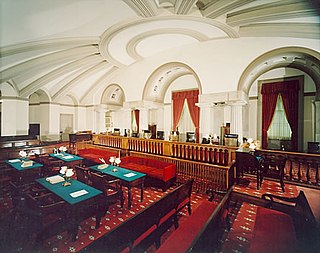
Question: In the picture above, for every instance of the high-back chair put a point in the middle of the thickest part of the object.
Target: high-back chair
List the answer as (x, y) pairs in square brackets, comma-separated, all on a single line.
[(246, 161), (110, 187), (83, 174)]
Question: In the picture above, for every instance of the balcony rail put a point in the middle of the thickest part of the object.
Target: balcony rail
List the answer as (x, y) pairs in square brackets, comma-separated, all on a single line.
[(301, 168), (204, 153)]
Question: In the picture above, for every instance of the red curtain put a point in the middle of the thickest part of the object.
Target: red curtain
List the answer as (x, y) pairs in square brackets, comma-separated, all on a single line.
[(194, 110), (269, 103), (177, 106), (137, 117), (290, 100), (289, 91), (178, 99)]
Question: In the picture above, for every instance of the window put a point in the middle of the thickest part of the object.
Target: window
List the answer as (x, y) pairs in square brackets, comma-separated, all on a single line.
[(279, 128)]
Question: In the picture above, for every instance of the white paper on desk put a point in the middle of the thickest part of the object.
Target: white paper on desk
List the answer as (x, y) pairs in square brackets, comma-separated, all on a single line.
[(14, 160), (55, 179), (129, 174), (102, 166), (68, 157), (78, 193), (27, 164)]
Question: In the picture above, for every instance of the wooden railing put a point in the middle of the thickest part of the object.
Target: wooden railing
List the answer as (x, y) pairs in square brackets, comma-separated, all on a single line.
[(300, 168), (206, 176), (204, 153)]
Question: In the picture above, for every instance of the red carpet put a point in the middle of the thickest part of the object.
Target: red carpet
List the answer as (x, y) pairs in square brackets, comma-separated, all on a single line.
[(87, 233), (243, 215)]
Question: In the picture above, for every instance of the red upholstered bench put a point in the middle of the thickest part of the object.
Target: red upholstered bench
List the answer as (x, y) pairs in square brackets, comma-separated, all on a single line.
[(93, 154), (160, 173), (273, 232), (180, 240)]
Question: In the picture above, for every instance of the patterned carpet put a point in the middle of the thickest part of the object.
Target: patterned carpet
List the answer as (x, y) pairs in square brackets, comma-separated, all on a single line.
[(243, 215), (87, 233)]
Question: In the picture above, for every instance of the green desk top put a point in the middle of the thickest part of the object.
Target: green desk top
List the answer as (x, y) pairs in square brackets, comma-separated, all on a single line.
[(17, 164), (121, 173), (64, 191), (66, 157)]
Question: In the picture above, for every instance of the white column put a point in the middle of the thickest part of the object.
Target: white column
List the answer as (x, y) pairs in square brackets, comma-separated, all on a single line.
[(317, 120), (15, 117), (206, 119), (237, 119), (100, 111), (144, 119)]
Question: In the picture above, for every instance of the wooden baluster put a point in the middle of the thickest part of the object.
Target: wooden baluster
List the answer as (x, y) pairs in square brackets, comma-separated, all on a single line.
[(226, 157), (215, 156), (210, 155), (316, 166), (291, 169), (299, 171), (220, 156), (309, 164)]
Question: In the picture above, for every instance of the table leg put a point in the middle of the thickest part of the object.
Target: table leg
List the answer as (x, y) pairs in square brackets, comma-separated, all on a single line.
[(129, 197), (141, 192)]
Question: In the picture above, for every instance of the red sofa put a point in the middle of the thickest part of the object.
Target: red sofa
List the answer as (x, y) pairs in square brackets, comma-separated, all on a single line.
[(93, 154), (159, 173)]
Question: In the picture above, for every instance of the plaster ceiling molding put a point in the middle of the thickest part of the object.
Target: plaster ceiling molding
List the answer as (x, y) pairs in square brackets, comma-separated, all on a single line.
[(51, 60), (184, 7), (143, 8), (114, 41), (303, 59), (51, 75), (97, 87), (49, 45), (213, 9), (295, 30), (8, 89), (285, 9), (160, 80), (113, 95), (82, 80)]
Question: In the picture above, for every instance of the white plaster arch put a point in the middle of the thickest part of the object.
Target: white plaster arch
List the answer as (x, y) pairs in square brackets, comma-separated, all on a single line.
[(113, 95), (8, 89), (161, 79), (304, 59)]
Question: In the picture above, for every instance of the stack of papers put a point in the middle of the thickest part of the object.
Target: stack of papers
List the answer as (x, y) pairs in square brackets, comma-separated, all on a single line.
[(78, 193), (102, 166), (55, 179)]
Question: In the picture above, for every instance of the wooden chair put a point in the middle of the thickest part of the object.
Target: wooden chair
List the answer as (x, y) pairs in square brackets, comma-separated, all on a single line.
[(83, 174), (273, 166), (247, 162), (110, 187), (51, 166), (45, 212)]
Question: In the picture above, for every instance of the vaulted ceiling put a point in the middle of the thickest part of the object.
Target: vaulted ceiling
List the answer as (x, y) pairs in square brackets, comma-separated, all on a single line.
[(73, 47)]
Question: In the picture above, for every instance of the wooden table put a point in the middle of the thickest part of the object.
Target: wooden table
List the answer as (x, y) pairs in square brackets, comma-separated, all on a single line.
[(129, 179), (80, 207)]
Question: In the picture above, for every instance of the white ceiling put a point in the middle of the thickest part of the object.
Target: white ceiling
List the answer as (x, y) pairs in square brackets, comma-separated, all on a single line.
[(72, 47)]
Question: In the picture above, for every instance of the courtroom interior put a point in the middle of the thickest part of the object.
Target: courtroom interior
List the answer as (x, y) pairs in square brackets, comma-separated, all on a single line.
[(160, 126)]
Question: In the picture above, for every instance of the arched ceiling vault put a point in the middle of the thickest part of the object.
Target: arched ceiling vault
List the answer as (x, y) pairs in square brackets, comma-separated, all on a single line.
[(76, 59)]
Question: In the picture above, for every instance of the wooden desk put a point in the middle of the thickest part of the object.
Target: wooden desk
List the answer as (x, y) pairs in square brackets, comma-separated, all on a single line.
[(69, 159), (74, 138), (25, 174), (80, 207), (129, 179)]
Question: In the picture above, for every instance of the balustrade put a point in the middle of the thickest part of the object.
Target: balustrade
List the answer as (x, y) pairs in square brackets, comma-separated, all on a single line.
[(300, 167)]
